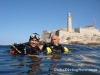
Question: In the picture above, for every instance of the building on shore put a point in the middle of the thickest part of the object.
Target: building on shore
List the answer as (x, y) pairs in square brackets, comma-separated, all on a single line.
[(87, 34)]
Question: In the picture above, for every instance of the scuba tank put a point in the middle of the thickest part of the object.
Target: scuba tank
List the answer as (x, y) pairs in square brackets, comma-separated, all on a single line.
[(25, 50)]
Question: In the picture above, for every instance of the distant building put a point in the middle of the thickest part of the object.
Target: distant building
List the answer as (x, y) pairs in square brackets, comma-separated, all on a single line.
[(69, 22), (75, 34), (90, 29), (46, 36)]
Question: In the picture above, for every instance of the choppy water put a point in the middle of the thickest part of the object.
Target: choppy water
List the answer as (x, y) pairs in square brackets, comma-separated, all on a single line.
[(81, 60)]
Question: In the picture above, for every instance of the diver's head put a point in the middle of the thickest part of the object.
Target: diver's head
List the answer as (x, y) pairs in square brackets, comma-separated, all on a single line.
[(55, 40), (34, 39)]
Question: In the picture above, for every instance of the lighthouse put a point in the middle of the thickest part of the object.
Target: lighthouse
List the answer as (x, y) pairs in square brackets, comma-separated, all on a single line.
[(69, 22)]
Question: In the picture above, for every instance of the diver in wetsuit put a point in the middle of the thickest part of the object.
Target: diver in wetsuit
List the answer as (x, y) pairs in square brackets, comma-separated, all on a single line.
[(30, 47), (54, 47)]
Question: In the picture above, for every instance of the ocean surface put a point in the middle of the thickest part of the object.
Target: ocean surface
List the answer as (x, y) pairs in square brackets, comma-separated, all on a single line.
[(81, 60)]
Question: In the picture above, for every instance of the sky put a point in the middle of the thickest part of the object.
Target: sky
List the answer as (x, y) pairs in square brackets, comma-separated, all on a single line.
[(20, 18)]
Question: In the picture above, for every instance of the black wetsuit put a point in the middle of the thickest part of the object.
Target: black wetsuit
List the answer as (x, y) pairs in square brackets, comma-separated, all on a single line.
[(55, 48), (25, 48)]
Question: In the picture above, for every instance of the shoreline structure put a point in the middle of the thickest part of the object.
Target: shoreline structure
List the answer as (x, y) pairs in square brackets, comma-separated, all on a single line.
[(87, 35)]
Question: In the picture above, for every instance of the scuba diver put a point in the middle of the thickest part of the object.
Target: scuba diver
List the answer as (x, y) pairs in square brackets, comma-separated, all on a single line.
[(54, 47), (30, 47)]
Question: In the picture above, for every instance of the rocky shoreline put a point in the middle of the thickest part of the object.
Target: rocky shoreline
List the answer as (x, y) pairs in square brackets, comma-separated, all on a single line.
[(76, 42), (82, 43)]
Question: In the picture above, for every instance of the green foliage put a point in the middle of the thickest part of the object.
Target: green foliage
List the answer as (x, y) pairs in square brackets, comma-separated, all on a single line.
[(68, 38)]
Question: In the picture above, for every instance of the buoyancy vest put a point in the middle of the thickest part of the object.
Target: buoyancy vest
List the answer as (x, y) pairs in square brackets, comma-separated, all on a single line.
[(49, 48), (25, 48)]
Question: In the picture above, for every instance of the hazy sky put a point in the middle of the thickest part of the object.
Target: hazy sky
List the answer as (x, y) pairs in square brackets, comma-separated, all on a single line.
[(20, 18)]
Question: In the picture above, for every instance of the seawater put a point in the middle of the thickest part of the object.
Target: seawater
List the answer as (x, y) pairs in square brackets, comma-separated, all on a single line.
[(81, 60)]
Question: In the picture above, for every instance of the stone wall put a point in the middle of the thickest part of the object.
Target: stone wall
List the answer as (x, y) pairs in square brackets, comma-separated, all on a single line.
[(46, 36), (87, 31), (53, 32), (85, 36)]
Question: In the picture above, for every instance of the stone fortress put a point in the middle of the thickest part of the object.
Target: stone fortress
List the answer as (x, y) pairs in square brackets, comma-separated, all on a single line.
[(89, 34)]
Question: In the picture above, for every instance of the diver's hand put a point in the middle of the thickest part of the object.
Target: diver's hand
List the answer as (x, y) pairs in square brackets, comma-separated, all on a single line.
[(12, 51)]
